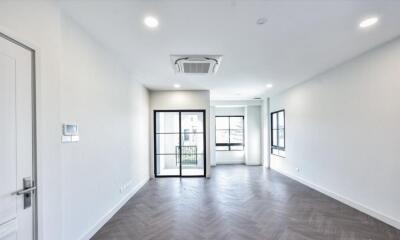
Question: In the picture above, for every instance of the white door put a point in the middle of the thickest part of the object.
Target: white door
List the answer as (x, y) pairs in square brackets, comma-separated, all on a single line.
[(16, 150)]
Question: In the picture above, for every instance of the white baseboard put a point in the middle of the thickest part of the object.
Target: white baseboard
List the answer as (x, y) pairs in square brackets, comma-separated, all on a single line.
[(103, 220), (230, 163), (360, 207)]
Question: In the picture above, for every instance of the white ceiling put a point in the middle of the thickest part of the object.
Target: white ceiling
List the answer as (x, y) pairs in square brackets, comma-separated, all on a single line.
[(300, 40)]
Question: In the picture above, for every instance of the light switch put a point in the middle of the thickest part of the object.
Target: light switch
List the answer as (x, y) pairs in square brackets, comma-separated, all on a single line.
[(75, 138), (65, 139)]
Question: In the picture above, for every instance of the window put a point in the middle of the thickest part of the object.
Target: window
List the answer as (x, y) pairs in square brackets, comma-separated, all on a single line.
[(229, 133), (278, 133), (179, 143)]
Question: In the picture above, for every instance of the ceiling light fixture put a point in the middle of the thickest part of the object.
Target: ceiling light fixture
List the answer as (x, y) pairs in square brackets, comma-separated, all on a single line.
[(151, 22), (368, 22), (177, 85), (262, 20), (269, 86)]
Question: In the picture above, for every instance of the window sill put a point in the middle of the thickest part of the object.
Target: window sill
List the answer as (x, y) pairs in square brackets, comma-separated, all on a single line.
[(278, 155), (229, 150)]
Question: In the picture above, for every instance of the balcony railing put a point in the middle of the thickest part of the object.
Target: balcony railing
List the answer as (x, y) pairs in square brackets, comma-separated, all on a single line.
[(189, 155)]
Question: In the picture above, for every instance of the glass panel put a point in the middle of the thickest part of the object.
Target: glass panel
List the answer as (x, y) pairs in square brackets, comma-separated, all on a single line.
[(236, 123), (189, 160), (167, 122), (281, 135), (274, 137), (192, 143), (237, 148), (186, 136), (222, 123), (222, 148), (167, 165), (193, 165), (281, 123), (274, 121), (167, 143), (192, 122), (222, 136), (236, 136)]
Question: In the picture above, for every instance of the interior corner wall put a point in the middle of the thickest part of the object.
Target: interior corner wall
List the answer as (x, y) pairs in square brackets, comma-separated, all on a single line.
[(265, 145), (343, 135), (253, 135), (110, 162), (37, 25), (213, 161), (180, 100)]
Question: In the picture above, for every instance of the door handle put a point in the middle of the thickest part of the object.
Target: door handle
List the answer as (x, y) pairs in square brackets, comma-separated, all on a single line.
[(24, 191), (27, 191)]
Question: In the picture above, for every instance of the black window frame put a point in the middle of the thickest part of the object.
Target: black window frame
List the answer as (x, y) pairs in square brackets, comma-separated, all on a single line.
[(273, 145), (229, 144), (181, 133)]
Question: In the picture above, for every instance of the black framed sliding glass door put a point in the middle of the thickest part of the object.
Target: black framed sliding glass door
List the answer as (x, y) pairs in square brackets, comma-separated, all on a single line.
[(179, 143)]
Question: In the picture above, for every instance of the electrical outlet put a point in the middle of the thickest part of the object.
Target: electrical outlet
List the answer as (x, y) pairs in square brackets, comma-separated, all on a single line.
[(129, 184), (125, 186)]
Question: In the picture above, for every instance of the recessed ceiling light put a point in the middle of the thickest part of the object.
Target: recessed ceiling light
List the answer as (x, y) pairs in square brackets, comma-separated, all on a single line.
[(151, 22), (368, 22), (269, 86), (177, 85), (262, 20)]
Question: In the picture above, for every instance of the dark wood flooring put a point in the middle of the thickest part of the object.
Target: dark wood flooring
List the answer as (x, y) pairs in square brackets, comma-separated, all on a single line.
[(239, 202)]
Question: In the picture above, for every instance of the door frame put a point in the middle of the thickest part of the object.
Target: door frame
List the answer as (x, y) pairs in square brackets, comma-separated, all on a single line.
[(180, 139), (34, 130)]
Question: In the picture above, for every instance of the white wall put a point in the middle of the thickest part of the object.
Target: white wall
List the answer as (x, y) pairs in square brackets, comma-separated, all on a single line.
[(112, 112), (181, 100), (229, 111), (254, 135), (78, 81), (25, 21), (343, 132), (229, 157)]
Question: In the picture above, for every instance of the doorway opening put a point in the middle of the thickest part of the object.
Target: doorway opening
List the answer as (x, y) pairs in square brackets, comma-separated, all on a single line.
[(179, 143)]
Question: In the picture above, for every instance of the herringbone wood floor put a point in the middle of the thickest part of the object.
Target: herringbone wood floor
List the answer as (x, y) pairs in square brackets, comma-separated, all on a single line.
[(239, 202)]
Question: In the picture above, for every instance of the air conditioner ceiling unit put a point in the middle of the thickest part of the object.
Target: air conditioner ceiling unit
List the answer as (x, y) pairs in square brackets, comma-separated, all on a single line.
[(196, 64)]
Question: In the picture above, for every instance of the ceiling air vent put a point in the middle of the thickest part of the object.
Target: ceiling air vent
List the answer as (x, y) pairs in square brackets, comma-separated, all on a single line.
[(196, 64)]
